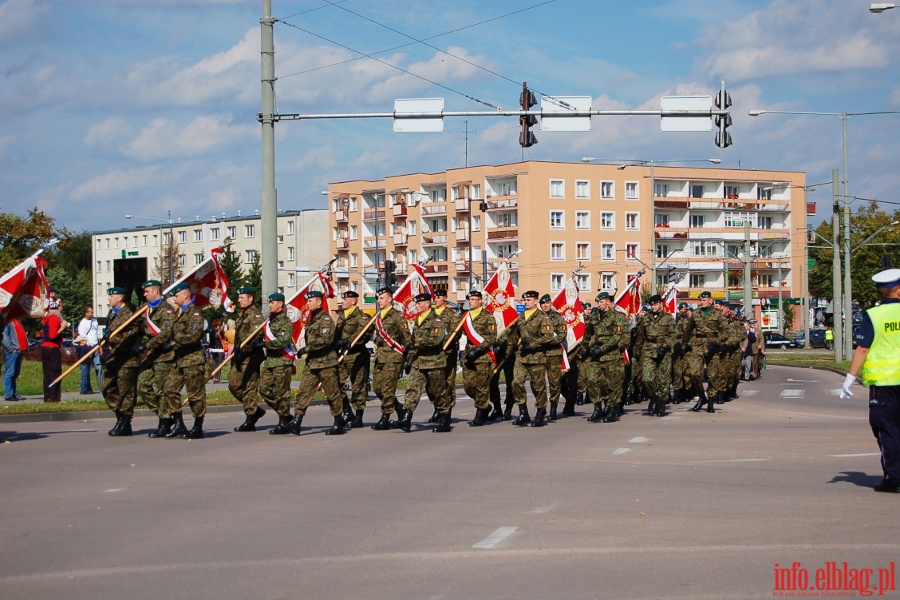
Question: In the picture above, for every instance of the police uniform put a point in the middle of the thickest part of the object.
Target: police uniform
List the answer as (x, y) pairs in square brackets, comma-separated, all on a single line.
[(391, 340), (607, 337), (158, 363), (876, 362), (243, 379), (120, 365), (189, 371), (656, 337), (481, 333), (355, 364), (278, 367)]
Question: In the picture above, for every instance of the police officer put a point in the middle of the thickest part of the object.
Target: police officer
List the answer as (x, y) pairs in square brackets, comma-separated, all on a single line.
[(120, 362), (243, 380), (656, 336), (481, 333), (158, 363), (321, 365), (278, 368), (554, 353), (355, 365), (876, 361), (190, 365), (536, 333), (391, 341), (608, 337), (706, 331)]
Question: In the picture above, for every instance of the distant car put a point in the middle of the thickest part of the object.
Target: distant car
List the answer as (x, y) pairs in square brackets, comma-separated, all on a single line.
[(776, 340), (816, 338)]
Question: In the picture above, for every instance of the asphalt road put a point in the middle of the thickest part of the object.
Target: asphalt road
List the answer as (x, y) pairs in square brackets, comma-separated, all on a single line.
[(693, 505)]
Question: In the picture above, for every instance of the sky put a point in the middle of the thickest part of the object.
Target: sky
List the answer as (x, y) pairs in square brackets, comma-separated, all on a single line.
[(110, 107)]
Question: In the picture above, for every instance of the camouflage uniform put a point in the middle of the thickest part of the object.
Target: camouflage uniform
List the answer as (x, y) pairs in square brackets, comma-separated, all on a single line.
[(157, 363), (553, 356), (681, 356), (634, 370), (536, 333), (120, 363), (706, 331), (190, 365), (477, 373), (355, 365), (278, 368), (451, 321), (736, 341), (656, 337), (243, 380), (388, 361), (506, 365), (429, 362), (604, 365), (321, 364)]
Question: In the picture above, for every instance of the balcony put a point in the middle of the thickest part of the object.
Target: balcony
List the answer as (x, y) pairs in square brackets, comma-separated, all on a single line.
[(462, 235), (495, 263), (343, 243), (400, 210), (504, 233), (341, 272), (503, 204), (374, 214), (401, 239), (434, 240), (429, 208), (373, 244), (462, 266), (436, 268), (461, 205), (342, 216)]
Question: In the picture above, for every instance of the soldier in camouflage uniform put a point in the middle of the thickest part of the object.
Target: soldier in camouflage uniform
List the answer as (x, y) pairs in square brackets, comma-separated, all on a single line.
[(736, 345), (574, 381), (706, 331), (391, 339), (243, 380), (554, 353), (656, 337), (506, 365), (451, 320), (321, 365), (355, 365), (481, 334), (278, 368), (157, 363), (681, 381), (119, 356), (606, 337), (536, 335)]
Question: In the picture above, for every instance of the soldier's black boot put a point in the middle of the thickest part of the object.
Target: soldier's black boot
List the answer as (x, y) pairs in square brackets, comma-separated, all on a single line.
[(296, 424), (732, 393), (443, 425), (165, 426), (569, 407), (435, 417), (347, 413), (283, 427), (597, 415), (358, 420), (480, 416), (552, 415), (701, 400), (539, 418), (400, 413), (338, 427), (124, 429), (676, 397), (711, 403), (405, 423), (249, 423), (115, 428), (661, 408), (179, 429), (524, 418), (651, 407), (612, 413), (507, 413), (580, 399), (384, 423), (497, 413), (196, 432)]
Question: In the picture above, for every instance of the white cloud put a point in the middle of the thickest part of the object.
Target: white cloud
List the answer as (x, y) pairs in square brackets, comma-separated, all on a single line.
[(108, 133), (19, 20), (163, 138), (117, 182)]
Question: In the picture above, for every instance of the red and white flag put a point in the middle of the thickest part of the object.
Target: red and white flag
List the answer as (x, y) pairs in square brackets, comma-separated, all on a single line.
[(568, 303), (474, 337), (629, 301), (296, 304), (22, 290), (404, 298), (500, 297), (208, 282), (670, 304)]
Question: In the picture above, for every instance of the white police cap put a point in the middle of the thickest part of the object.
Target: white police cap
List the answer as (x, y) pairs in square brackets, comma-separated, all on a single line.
[(887, 278)]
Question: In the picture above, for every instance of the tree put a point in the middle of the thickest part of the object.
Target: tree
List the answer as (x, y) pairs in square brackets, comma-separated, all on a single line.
[(254, 277), (21, 237), (169, 252), (74, 290)]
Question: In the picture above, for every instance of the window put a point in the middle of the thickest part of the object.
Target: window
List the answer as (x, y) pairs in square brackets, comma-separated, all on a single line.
[(697, 221), (107, 243), (607, 220), (582, 189), (99, 266), (290, 253), (291, 279), (584, 282), (556, 219), (766, 280), (556, 188), (607, 251), (765, 222), (198, 258), (763, 193), (732, 192), (232, 231), (661, 189), (249, 231), (582, 219), (476, 223), (411, 228), (354, 232), (182, 260), (155, 241), (145, 241), (698, 280), (354, 204), (557, 251), (168, 238), (661, 220), (182, 237), (556, 281), (125, 242), (631, 221), (214, 234), (607, 281), (662, 251), (631, 190), (251, 256), (107, 266), (583, 251), (279, 239), (198, 235), (290, 228), (733, 219), (476, 190), (704, 249), (696, 191), (354, 260), (280, 264), (607, 189), (631, 251)]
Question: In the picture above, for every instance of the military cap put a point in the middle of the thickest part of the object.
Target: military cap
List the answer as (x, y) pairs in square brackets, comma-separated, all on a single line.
[(531, 294), (585, 305), (314, 294), (752, 321), (545, 298), (151, 283), (441, 292), (248, 290), (276, 297), (645, 308), (683, 305), (887, 278), (474, 294), (116, 289), (705, 295), (384, 290), (423, 297), (350, 294), (655, 298), (602, 296), (184, 285), (720, 302)]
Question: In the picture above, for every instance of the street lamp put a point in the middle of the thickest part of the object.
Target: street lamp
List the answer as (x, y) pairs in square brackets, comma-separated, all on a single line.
[(848, 285), (171, 241)]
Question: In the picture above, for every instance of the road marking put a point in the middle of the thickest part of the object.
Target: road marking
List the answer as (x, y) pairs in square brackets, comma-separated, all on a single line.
[(539, 510), (113, 490), (495, 538), (792, 393), (621, 451), (729, 460), (638, 440), (855, 455), (836, 392), (803, 380), (749, 393)]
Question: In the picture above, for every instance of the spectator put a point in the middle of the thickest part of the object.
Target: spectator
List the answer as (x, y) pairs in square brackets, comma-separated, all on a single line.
[(53, 325), (15, 342), (90, 331)]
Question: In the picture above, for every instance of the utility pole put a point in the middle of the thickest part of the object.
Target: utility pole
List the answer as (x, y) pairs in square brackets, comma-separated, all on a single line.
[(269, 203), (836, 270), (748, 285), (848, 286)]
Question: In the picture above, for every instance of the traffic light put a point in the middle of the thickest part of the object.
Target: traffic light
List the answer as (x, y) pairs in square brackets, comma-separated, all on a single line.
[(723, 122), (527, 100), (389, 268)]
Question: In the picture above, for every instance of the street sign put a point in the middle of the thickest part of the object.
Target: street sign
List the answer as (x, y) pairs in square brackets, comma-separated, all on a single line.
[(416, 110), (563, 105), (685, 123)]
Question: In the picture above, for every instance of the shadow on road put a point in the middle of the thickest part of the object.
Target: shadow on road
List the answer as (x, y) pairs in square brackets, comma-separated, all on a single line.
[(857, 478)]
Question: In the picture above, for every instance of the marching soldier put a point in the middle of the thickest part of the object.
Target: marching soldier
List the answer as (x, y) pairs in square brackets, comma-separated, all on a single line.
[(355, 366), (321, 365), (554, 353), (536, 334), (605, 377), (451, 321), (243, 380), (391, 341), (706, 331), (506, 364), (656, 336), (158, 363), (759, 349), (680, 356), (120, 362), (481, 334), (190, 365), (278, 368)]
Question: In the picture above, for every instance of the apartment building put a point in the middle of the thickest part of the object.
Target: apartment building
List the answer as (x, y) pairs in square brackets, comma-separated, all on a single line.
[(602, 217), (128, 257)]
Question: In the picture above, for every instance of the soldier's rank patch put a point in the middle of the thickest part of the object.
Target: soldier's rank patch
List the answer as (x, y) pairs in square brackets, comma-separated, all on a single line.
[(325, 331), (618, 329)]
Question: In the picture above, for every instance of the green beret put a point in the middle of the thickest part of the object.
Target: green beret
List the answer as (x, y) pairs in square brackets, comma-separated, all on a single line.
[(440, 292), (312, 294), (178, 287), (705, 295), (116, 290), (151, 283), (423, 297), (276, 297), (545, 298), (248, 290), (602, 296), (720, 302), (655, 298), (683, 305)]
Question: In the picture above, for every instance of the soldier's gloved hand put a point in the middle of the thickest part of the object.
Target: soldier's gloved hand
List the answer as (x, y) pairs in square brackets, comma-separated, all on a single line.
[(475, 353), (712, 346), (342, 346), (845, 389), (167, 346), (410, 346), (524, 346), (407, 368), (596, 352), (661, 352), (238, 354), (139, 347), (678, 348)]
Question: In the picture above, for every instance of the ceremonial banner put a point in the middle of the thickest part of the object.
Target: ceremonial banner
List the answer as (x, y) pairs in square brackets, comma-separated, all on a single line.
[(500, 297), (296, 309), (568, 303), (22, 289), (404, 298), (669, 300), (209, 286), (629, 301)]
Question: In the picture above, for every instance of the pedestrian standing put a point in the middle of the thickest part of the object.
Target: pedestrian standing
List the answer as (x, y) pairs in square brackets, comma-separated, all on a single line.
[(90, 330), (53, 326), (15, 343)]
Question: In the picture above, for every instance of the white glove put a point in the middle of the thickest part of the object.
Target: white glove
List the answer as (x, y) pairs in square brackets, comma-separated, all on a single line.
[(845, 389)]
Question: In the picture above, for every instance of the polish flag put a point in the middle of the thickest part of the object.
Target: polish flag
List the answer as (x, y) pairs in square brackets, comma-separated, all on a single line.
[(500, 297), (568, 303), (295, 307), (22, 289), (416, 283), (670, 304), (208, 282), (629, 301)]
